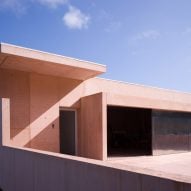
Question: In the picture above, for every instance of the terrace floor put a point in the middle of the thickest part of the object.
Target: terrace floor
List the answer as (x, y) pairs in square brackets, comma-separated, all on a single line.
[(173, 166)]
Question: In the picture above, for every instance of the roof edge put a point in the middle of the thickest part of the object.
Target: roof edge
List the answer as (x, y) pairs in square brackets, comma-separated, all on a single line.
[(16, 50), (145, 86)]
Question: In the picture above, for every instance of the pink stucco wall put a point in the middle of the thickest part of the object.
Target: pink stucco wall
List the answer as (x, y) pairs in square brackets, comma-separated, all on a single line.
[(34, 104), (33, 170), (35, 100)]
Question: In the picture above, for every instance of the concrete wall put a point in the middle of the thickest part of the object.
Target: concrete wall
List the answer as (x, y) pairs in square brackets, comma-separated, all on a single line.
[(31, 171), (125, 94), (5, 121), (15, 85), (34, 106), (47, 94), (171, 132), (92, 136), (37, 170), (35, 100), (1, 124)]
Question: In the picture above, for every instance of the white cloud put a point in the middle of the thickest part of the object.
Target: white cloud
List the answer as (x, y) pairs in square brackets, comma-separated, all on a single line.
[(52, 3), (17, 6), (149, 34), (75, 19), (20, 6)]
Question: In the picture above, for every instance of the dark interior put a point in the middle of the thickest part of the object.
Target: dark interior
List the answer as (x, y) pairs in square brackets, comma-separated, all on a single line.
[(67, 132), (129, 131)]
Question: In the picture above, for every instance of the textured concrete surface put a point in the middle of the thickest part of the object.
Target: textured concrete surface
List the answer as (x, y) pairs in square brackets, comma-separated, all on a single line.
[(134, 95), (34, 106), (34, 170), (38, 84), (171, 132), (29, 60), (175, 166), (92, 135)]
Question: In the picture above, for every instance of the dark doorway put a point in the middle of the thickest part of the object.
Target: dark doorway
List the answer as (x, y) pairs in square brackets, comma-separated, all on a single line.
[(68, 132), (129, 131)]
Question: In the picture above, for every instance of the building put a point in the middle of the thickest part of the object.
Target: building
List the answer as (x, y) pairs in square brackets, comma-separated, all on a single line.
[(62, 128)]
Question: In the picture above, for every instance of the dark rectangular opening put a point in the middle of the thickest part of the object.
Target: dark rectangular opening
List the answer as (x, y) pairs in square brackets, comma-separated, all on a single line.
[(171, 132), (129, 131), (68, 132)]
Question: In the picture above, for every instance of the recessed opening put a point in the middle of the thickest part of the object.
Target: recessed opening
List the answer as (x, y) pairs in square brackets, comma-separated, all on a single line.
[(68, 131), (129, 131)]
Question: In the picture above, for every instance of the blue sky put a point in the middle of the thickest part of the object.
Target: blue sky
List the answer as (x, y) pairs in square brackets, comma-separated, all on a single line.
[(141, 41)]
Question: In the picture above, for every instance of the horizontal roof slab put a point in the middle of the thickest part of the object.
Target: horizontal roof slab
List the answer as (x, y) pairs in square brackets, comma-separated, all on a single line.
[(24, 59)]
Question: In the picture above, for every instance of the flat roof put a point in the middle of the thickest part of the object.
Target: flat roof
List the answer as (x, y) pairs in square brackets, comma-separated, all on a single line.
[(29, 60)]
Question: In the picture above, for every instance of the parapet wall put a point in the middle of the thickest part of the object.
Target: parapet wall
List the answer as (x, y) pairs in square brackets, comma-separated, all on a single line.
[(32, 170)]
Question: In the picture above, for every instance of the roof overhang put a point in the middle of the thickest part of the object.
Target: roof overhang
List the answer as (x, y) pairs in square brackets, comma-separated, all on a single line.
[(29, 60)]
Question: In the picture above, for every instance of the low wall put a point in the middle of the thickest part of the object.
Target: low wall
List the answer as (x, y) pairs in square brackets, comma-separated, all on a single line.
[(33, 170), (25, 170)]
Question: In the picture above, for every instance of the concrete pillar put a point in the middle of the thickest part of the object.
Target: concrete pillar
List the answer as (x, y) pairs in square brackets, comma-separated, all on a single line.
[(4, 121), (1, 122)]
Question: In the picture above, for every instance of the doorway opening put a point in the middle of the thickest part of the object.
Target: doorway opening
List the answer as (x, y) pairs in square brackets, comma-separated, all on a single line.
[(68, 131), (129, 131)]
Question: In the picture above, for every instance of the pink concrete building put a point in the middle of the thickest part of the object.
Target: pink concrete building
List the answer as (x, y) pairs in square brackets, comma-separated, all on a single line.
[(63, 128)]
